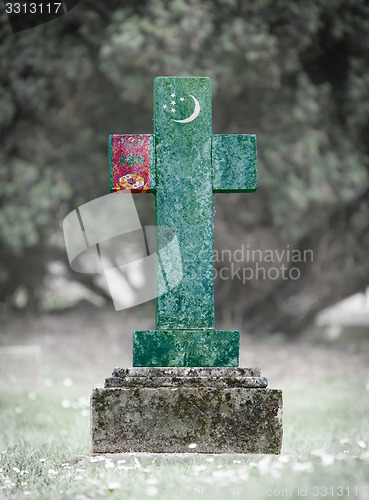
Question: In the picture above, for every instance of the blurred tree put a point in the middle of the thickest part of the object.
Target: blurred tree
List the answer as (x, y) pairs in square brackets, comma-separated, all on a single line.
[(296, 74)]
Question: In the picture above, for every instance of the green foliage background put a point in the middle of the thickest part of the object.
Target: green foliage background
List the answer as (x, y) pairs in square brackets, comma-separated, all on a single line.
[(294, 73)]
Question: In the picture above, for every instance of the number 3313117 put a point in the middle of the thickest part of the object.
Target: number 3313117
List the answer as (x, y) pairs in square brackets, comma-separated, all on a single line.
[(32, 8)]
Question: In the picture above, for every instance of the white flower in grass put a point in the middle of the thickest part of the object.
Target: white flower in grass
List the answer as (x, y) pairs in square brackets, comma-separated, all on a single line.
[(48, 382), (367, 386), (85, 413), (84, 402), (67, 382), (52, 472), (361, 444), (109, 465), (229, 475), (264, 464), (65, 403), (199, 467), (152, 480), (192, 446), (122, 461), (26, 492), (318, 453), (18, 410), (219, 474), (32, 396), (15, 469), (114, 485), (94, 459), (243, 474), (124, 467), (275, 473), (277, 465), (8, 483), (327, 460), (344, 440), (303, 467), (210, 459), (152, 491), (341, 456)]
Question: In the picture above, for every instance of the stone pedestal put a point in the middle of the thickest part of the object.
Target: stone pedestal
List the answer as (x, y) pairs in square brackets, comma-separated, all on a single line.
[(165, 410), (195, 347)]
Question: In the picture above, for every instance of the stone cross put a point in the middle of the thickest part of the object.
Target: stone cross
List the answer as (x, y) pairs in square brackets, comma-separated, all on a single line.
[(183, 164)]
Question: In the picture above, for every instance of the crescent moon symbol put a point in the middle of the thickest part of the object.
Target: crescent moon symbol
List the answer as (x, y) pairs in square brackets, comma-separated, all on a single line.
[(194, 114)]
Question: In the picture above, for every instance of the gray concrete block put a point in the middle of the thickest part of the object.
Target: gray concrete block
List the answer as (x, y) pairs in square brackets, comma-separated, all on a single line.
[(169, 419)]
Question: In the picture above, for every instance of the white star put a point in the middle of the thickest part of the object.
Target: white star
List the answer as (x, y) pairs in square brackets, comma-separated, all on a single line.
[(173, 110), (173, 102), (164, 106), (181, 99), (172, 95)]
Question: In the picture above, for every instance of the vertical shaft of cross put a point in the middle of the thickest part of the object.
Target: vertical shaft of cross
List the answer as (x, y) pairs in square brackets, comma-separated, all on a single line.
[(184, 197), (182, 163)]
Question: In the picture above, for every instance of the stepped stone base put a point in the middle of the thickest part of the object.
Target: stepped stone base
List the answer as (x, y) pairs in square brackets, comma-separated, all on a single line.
[(165, 410)]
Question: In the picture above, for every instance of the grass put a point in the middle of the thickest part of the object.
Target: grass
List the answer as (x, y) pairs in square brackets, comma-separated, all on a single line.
[(325, 451)]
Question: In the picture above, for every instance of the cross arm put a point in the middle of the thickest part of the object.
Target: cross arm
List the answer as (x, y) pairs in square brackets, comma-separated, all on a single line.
[(132, 163), (234, 163)]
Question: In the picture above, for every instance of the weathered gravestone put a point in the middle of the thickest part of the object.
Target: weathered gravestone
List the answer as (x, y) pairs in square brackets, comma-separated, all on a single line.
[(185, 386)]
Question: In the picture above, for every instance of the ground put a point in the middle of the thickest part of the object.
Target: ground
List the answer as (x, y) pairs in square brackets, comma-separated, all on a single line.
[(42, 427)]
